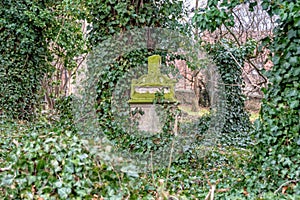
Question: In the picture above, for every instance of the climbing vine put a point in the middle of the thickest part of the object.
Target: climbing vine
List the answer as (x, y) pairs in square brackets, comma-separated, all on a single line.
[(230, 56), (230, 59), (35, 37), (110, 17), (22, 56), (276, 161)]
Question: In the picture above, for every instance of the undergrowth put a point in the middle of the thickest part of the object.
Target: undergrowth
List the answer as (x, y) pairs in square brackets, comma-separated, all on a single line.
[(44, 161)]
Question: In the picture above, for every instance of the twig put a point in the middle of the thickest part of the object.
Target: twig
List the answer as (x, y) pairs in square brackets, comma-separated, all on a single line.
[(175, 129), (211, 193), (170, 162), (285, 183), (248, 60), (257, 70), (152, 170), (118, 176), (63, 23), (233, 35), (79, 64), (220, 83), (207, 196), (5, 169), (213, 190), (232, 56)]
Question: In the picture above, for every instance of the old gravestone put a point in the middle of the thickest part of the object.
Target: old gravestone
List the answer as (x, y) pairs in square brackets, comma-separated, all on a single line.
[(143, 94)]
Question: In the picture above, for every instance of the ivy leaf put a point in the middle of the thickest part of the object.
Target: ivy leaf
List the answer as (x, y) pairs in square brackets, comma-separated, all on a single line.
[(7, 179), (294, 104), (58, 184), (64, 192)]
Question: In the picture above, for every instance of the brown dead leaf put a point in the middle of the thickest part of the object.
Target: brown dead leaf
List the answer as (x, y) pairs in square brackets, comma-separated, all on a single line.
[(292, 185), (33, 189), (96, 197), (245, 192), (222, 152), (222, 190), (284, 189)]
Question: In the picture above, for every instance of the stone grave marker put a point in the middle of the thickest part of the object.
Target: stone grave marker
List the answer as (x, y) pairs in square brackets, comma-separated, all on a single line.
[(143, 91)]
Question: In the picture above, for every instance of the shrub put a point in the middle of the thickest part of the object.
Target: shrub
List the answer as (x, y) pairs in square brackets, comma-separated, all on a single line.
[(46, 163)]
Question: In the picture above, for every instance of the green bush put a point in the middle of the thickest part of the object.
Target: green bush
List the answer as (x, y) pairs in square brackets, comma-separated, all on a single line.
[(44, 162), (276, 157), (35, 38), (22, 58), (237, 126)]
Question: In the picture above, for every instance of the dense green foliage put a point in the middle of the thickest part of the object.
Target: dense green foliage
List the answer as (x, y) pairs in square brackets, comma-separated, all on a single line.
[(110, 31), (23, 52), (34, 35), (44, 162), (277, 152), (109, 17), (229, 59), (114, 112), (275, 164), (215, 16), (52, 159)]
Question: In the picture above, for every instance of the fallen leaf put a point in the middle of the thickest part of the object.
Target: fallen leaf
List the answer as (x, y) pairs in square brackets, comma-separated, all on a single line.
[(284, 189), (245, 192), (33, 189)]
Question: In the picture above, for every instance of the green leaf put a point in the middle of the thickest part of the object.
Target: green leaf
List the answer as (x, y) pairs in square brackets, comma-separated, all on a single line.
[(58, 184), (294, 104), (64, 192), (7, 180)]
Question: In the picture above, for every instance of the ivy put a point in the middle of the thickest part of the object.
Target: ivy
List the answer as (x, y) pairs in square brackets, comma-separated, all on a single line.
[(229, 56), (276, 155), (52, 159), (34, 36), (110, 21), (214, 16), (114, 111), (40, 166), (229, 59), (108, 18), (24, 51)]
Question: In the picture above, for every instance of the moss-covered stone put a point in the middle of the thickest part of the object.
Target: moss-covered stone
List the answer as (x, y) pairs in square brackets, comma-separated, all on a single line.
[(143, 89)]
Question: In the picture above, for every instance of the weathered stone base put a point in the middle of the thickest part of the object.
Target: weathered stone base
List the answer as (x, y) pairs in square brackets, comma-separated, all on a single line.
[(149, 121)]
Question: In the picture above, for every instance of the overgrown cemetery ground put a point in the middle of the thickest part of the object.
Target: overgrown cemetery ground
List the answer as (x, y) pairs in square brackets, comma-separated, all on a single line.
[(44, 161), (57, 143), (47, 161)]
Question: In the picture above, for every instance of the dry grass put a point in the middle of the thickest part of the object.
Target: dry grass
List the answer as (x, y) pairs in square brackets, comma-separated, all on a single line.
[(252, 106), (188, 109)]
